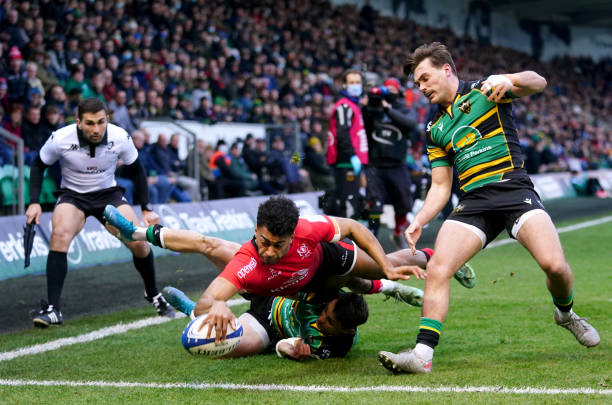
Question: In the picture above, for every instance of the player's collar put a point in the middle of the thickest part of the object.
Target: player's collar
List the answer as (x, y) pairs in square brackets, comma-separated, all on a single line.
[(84, 142)]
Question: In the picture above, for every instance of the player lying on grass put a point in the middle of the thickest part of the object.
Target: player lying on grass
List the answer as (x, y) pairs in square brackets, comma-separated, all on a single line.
[(287, 255), (296, 329)]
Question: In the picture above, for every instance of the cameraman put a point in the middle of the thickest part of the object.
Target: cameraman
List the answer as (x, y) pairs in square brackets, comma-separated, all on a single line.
[(388, 131)]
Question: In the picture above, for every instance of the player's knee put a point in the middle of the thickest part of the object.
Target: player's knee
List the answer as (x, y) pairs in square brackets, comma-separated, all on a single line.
[(555, 267), (138, 248), (438, 272), (61, 236)]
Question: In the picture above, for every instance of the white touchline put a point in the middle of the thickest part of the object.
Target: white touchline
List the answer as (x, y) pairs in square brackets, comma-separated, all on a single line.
[(95, 335), (569, 228), (312, 388)]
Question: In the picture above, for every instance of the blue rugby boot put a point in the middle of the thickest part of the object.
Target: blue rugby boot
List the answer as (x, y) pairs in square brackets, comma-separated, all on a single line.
[(178, 300), (115, 218)]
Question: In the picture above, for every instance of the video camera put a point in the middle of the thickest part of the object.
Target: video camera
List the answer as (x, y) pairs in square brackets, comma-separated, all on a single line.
[(379, 93)]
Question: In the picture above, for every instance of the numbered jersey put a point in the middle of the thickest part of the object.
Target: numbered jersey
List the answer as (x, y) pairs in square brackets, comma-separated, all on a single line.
[(477, 136), (293, 271)]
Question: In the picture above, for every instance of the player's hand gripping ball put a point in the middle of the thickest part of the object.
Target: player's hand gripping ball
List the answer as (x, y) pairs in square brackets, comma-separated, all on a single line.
[(195, 341)]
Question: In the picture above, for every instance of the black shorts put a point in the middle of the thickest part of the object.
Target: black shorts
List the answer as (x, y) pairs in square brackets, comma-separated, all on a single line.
[(389, 184), (260, 310), (338, 260), (92, 203), (496, 206)]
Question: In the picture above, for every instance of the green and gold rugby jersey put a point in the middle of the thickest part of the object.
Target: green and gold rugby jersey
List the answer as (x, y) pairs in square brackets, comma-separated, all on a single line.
[(477, 136), (293, 318)]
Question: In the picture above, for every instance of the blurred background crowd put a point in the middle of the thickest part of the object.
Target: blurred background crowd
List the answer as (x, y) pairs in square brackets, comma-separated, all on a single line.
[(261, 61)]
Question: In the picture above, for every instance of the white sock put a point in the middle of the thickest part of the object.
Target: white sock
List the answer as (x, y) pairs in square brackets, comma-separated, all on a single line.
[(140, 233), (424, 352), (563, 316), (386, 285)]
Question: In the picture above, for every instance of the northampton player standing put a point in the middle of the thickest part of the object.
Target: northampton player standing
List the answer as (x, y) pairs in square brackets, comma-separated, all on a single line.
[(474, 131)]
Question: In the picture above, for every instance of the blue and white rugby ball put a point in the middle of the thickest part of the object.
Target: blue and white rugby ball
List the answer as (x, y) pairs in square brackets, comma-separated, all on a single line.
[(195, 342)]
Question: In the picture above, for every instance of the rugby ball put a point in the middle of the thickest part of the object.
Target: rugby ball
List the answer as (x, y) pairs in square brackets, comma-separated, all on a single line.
[(195, 341)]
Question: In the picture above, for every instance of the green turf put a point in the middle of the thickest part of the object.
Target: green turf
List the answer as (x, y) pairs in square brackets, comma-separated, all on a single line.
[(499, 334)]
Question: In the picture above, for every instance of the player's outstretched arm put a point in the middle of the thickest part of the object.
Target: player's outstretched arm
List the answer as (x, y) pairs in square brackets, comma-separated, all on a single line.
[(213, 302), (362, 236)]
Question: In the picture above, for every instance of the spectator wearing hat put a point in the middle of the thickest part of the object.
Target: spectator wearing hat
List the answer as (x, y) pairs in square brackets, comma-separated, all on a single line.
[(16, 78)]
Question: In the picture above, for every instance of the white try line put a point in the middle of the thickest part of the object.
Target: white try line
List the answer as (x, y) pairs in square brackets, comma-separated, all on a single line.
[(569, 228), (311, 388), (122, 328), (95, 335)]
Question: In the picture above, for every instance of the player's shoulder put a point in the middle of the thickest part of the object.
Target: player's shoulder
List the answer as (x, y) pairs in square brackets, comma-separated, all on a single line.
[(116, 133), (309, 224), (64, 134)]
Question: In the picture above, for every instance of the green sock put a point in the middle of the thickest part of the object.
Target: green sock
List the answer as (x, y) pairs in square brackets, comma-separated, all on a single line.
[(564, 304)]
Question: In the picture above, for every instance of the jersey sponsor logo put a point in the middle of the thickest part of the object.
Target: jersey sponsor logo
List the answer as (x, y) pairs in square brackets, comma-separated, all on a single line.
[(465, 107), (458, 208), (465, 137), (527, 201), (242, 273), (294, 278), (303, 251), (273, 273)]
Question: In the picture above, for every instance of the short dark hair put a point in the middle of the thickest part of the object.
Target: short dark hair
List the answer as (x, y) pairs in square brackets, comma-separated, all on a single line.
[(438, 54), (90, 105), (351, 310), (351, 71), (278, 214)]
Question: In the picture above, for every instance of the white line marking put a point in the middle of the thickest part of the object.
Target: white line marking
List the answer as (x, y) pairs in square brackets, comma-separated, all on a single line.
[(95, 335), (122, 328), (313, 388), (564, 229)]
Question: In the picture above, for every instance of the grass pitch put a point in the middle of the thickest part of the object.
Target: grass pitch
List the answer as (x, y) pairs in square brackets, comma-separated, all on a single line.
[(500, 334)]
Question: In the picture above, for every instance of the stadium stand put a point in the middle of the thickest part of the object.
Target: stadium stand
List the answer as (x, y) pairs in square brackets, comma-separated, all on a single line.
[(269, 62)]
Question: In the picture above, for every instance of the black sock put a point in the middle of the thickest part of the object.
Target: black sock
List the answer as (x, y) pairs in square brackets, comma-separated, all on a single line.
[(57, 267), (146, 268)]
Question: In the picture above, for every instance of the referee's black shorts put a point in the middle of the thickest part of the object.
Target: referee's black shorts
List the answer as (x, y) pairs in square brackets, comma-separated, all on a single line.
[(92, 203)]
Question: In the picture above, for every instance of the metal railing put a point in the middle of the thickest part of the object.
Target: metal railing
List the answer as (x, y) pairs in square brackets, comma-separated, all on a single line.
[(20, 208)]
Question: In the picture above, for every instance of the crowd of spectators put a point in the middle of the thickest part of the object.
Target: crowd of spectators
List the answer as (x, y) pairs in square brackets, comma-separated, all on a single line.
[(262, 61)]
